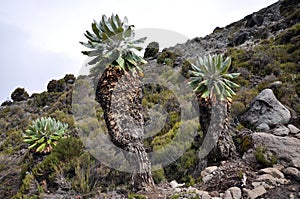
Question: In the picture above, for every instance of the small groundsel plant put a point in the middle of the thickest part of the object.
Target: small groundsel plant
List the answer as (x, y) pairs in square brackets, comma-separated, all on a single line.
[(44, 133)]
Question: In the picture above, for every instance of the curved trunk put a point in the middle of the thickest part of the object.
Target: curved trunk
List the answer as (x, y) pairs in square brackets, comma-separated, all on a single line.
[(120, 96)]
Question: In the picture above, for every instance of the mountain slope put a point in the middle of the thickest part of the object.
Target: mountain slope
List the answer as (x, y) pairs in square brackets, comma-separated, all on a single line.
[(265, 49)]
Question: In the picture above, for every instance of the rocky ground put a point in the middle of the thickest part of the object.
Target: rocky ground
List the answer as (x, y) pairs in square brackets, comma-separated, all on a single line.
[(265, 124)]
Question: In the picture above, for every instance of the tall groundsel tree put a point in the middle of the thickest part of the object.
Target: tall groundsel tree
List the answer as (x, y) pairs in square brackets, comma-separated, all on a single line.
[(115, 66), (214, 88)]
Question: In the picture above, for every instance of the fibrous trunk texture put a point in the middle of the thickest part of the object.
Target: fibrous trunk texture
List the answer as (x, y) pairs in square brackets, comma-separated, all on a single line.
[(214, 119), (120, 96)]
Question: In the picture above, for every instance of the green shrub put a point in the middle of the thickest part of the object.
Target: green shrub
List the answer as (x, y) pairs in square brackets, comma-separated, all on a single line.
[(183, 169), (246, 143), (175, 196), (264, 157), (83, 182), (12, 142), (44, 133), (136, 196), (63, 117), (26, 185), (167, 57), (56, 85), (237, 108), (186, 67), (68, 148), (45, 98), (19, 94), (158, 175)]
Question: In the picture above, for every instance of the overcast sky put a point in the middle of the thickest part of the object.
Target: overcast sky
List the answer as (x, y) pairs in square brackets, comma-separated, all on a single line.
[(39, 39)]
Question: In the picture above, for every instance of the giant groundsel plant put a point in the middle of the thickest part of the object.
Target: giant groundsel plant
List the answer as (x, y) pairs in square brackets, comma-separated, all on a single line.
[(112, 43)]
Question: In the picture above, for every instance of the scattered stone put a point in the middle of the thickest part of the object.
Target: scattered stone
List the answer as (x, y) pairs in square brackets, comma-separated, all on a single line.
[(227, 195), (214, 194), (235, 192), (272, 171), (191, 190), (257, 184), (207, 178), (275, 84), (244, 180), (293, 129), (177, 190), (293, 172), (286, 149), (263, 127), (267, 178), (272, 180), (265, 108), (208, 170), (256, 192), (205, 195), (281, 131), (207, 173), (174, 184)]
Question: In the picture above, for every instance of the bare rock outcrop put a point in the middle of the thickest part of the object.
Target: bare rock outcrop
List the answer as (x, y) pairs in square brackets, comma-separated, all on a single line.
[(265, 111)]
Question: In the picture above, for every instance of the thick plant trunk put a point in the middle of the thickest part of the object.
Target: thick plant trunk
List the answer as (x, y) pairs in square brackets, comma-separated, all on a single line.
[(214, 120), (120, 96)]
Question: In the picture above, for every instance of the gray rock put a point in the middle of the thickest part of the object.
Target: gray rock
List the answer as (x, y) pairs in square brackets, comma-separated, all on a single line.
[(266, 186), (239, 38), (208, 170), (263, 127), (207, 178), (272, 171), (281, 131), (272, 180), (256, 192), (265, 109), (293, 172), (151, 50), (227, 195), (286, 149), (293, 129), (235, 192), (267, 178), (174, 184), (205, 196)]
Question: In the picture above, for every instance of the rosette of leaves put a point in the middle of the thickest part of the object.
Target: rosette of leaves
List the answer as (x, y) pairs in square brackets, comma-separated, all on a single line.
[(112, 43), (210, 78), (44, 133)]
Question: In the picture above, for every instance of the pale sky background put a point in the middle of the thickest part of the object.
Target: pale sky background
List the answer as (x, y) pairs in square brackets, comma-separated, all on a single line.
[(39, 39)]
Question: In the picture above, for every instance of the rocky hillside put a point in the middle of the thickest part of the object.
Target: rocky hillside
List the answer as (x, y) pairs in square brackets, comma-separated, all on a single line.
[(265, 123)]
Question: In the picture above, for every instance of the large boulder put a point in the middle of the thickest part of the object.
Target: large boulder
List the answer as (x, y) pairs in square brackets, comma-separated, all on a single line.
[(286, 149), (151, 50), (265, 111)]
